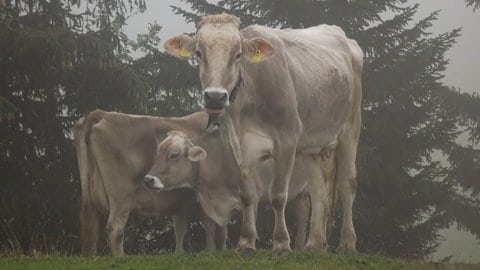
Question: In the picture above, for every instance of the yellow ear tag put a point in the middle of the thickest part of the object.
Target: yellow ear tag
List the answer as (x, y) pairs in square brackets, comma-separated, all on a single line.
[(257, 57), (184, 53)]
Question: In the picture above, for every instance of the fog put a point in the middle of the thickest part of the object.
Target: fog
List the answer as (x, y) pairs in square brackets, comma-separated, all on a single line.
[(462, 72)]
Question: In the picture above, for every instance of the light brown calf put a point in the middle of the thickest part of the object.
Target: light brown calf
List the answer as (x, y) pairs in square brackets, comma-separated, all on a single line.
[(114, 153)]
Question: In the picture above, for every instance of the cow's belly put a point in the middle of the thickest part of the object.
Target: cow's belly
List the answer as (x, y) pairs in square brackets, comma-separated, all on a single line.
[(151, 203), (324, 94), (298, 182), (323, 117), (319, 133)]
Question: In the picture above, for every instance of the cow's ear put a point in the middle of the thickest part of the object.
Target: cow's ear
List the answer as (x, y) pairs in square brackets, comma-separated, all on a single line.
[(180, 46), (196, 153), (258, 49)]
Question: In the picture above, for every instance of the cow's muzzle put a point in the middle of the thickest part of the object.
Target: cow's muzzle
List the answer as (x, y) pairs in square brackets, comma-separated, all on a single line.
[(216, 99), (153, 182)]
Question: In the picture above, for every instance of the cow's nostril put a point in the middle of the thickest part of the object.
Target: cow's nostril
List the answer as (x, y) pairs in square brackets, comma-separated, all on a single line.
[(223, 97), (215, 96), (148, 180)]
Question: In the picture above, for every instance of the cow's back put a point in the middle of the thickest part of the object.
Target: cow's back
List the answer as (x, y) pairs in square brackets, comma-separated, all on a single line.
[(320, 63), (121, 149)]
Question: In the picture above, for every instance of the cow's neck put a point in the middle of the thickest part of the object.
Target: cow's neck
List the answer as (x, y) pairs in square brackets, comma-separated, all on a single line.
[(196, 174), (230, 138), (238, 85)]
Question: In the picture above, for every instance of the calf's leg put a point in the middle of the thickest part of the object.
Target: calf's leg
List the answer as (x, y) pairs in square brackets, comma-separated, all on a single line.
[(180, 224)]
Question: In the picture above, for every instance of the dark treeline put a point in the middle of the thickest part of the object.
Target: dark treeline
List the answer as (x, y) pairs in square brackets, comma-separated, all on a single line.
[(418, 167)]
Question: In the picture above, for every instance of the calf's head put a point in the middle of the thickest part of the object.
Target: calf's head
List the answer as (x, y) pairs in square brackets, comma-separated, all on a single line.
[(173, 164), (220, 50)]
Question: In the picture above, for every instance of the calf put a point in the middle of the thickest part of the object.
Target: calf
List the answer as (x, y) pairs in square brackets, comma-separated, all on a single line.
[(115, 151), (210, 168)]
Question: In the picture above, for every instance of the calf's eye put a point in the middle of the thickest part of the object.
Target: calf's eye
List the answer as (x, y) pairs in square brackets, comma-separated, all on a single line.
[(173, 156)]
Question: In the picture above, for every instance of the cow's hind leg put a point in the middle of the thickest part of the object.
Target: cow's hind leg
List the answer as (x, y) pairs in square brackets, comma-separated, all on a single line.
[(119, 211), (89, 229), (347, 186), (317, 239), (180, 224), (302, 215)]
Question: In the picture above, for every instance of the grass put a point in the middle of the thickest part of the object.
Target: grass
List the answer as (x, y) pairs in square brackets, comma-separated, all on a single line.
[(223, 260)]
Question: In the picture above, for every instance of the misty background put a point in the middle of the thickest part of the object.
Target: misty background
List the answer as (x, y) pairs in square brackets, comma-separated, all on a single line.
[(462, 72), (418, 165)]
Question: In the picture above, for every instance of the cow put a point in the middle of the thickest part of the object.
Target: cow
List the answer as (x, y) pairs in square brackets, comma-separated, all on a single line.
[(210, 169), (288, 93), (115, 151)]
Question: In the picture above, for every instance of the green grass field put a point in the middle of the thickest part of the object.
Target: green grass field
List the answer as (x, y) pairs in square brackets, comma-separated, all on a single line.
[(223, 260)]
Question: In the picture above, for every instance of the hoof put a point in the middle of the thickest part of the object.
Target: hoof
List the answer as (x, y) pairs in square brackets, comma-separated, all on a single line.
[(282, 251), (316, 246), (347, 250), (315, 249), (246, 251)]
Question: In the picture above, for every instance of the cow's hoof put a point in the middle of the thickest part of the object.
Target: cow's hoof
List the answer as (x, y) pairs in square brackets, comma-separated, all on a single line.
[(282, 251), (346, 249), (319, 248), (246, 251)]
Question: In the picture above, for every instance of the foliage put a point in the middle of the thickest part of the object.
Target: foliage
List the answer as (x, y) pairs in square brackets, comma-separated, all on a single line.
[(411, 163), (173, 83), (56, 65), (475, 4)]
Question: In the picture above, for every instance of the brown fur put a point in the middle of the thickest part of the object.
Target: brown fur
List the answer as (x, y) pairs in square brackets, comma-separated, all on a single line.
[(114, 152)]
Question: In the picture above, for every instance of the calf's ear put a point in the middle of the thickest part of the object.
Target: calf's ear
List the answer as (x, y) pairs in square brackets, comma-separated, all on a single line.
[(196, 153), (180, 46), (258, 49)]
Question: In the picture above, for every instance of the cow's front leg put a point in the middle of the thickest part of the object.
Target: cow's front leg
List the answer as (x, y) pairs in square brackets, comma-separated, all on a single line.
[(284, 158), (180, 224), (222, 242), (210, 234), (249, 200)]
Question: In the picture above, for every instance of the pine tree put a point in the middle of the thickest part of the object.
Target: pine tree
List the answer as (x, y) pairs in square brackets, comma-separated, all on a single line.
[(407, 190), (57, 64), (475, 4), (173, 83)]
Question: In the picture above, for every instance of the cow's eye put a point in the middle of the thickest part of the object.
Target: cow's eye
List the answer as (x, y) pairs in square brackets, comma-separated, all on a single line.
[(238, 56), (198, 54), (173, 156)]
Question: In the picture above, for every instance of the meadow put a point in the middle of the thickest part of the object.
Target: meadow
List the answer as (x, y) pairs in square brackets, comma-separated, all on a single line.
[(223, 260)]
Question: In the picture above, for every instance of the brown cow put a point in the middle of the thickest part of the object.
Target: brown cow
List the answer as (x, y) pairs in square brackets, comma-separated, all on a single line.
[(114, 152), (289, 93)]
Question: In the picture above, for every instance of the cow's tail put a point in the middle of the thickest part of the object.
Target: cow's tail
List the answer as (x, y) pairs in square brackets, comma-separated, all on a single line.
[(89, 215)]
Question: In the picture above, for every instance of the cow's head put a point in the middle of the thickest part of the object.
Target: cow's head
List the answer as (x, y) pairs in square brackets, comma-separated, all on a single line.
[(220, 50), (173, 164)]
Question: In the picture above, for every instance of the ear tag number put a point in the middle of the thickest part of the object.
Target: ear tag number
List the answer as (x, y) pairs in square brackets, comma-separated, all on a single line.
[(184, 53), (257, 57)]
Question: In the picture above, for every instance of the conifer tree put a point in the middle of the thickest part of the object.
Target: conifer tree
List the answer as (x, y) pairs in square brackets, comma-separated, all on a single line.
[(59, 60), (410, 163)]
